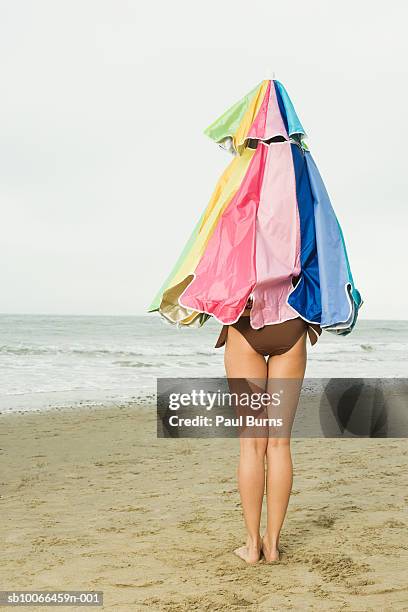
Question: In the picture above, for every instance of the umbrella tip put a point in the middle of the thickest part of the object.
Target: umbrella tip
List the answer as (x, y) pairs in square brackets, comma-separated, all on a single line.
[(271, 75)]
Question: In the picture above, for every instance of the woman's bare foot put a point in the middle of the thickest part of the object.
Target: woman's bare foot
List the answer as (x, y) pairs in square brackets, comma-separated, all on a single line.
[(271, 553), (251, 553)]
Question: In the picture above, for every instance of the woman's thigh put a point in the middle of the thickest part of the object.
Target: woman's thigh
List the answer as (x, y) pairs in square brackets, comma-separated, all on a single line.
[(241, 359), (292, 363)]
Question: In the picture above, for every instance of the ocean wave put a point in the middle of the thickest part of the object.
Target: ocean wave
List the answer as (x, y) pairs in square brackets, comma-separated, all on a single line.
[(139, 364), (95, 352)]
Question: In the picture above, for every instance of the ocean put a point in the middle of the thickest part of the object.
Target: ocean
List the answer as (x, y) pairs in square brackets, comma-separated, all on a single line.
[(49, 361)]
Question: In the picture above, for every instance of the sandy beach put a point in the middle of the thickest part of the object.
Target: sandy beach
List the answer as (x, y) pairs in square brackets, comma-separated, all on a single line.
[(91, 499)]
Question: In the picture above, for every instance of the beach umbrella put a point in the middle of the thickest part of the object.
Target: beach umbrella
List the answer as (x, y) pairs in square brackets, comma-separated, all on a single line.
[(269, 231)]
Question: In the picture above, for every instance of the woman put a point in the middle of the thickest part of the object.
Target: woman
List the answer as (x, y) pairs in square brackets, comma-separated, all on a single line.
[(267, 259), (275, 351)]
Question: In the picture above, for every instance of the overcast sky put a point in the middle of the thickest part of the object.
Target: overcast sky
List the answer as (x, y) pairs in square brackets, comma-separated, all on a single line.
[(104, 168)]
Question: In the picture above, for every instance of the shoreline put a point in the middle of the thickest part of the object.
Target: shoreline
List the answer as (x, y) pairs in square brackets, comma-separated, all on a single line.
[(17, 403), (153, 522)]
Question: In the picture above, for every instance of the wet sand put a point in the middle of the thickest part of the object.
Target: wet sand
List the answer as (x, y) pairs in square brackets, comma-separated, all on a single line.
[(91, 499)]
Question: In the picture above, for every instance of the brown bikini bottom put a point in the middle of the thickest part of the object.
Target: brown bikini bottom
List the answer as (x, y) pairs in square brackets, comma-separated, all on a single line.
[(272, 339)]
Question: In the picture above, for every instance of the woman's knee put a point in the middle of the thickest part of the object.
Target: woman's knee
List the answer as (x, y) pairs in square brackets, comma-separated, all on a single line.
[(275, 444), (253, 447)]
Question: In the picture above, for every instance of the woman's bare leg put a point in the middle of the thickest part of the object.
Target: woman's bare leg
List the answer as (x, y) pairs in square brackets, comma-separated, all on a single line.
[(279, 478), (242, 361)]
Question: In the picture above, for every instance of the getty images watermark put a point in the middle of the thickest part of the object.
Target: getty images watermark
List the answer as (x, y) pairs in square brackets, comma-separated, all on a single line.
[(324, 407), (210, 407), (200, 398)]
